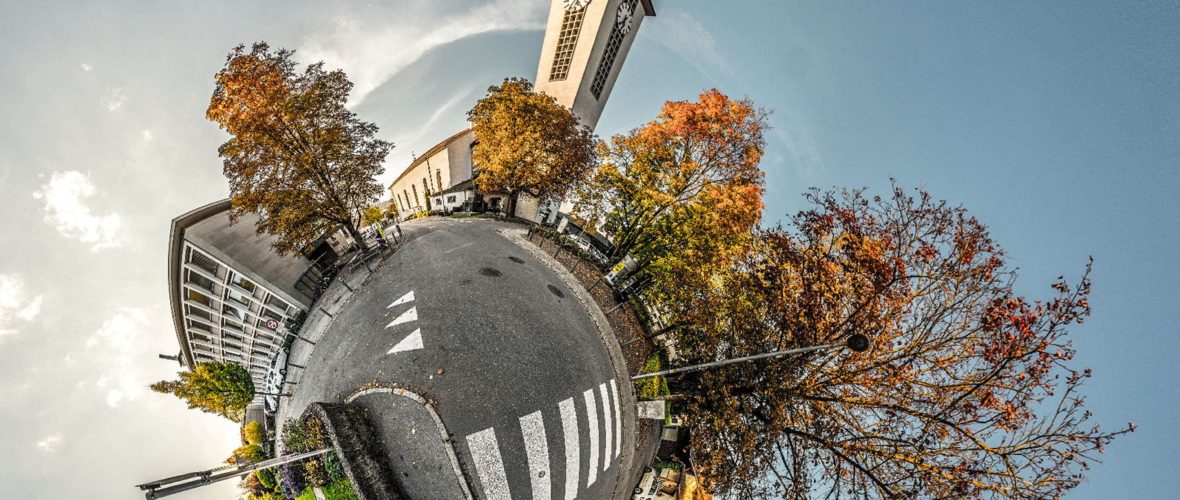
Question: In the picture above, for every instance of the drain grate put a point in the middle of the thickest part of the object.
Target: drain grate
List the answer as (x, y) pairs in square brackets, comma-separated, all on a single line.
[(487, 271), (555, 291), (517, 260)]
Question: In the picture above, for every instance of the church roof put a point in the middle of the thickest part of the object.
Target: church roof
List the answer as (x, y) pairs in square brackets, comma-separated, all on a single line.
[(430, 152)]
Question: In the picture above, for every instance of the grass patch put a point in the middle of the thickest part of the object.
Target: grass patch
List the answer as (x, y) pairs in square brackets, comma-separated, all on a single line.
[(664, 464), (339, 490)]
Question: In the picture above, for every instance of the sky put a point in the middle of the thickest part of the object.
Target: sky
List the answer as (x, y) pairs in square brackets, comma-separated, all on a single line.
[(1056, 123)]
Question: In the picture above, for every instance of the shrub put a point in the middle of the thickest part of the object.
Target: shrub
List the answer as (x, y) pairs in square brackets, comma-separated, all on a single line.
[(267, 478), (340, 490), (317, 475), (255, 434), (335, 468), (306, 435), (250, 452), (291, 479), (652, 387)]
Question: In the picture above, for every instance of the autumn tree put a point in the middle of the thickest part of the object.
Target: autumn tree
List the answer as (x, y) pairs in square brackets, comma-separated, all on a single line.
[(966, 392), (246, 454), (684, 190), (528, 143), (213, 387), (298, 158)]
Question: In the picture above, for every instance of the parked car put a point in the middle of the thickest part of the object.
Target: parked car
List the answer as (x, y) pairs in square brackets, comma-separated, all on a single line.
[(274, 380)]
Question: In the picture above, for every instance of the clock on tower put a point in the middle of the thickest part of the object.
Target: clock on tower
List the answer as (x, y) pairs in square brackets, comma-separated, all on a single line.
[(586, 42)]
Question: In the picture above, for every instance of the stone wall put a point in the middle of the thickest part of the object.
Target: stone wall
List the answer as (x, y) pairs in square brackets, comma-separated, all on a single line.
[(359, 451)]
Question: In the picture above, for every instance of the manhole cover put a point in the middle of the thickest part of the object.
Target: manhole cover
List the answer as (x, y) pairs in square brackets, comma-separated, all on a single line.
[(487, 271), (556, 292), (517, 260)]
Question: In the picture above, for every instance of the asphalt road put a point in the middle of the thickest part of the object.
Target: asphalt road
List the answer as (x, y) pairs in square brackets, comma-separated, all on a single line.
[(525, 377)]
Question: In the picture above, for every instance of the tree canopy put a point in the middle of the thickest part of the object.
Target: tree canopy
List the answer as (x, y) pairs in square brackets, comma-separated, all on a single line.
[(214, 387), (528, 143), (298, 158), (967, 391)]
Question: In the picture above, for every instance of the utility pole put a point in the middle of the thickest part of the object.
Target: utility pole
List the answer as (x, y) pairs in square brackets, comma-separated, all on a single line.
[(857, 343), (193, 480)]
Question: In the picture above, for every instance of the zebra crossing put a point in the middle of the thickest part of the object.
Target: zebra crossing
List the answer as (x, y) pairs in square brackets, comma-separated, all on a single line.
[(599, 405)]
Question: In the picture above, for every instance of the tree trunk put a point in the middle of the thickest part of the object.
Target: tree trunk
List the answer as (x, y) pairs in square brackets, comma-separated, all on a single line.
[(356, 235)]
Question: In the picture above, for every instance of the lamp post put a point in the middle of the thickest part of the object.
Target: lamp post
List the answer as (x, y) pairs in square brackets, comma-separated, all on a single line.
[(856, 343)]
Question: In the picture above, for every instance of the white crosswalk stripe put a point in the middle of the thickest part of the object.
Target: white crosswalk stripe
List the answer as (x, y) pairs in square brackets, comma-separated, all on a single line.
[(569, 425), (592, 424), (606, 427), (535, 446), (485, 451), (614, 390)]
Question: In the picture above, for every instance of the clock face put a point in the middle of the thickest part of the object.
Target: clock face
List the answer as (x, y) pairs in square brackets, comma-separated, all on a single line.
[(623, 18), (575, 5)]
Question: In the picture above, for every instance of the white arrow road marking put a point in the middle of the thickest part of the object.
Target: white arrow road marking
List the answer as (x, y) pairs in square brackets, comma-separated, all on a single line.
[(414, 341), (606, 427), (614, 390), (592, 423), (569, 427), (533, 429), (406, 317), (409, 297), (485, 451)]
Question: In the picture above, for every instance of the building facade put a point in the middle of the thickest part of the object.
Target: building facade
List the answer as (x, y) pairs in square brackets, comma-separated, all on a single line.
[(231, 295), (440, 168)]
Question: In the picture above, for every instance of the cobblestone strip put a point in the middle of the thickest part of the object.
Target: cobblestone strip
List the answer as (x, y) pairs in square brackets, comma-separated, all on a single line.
[(442, 429), (618, 364)]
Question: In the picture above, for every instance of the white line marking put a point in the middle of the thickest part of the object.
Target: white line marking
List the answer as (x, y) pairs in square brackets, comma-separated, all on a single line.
[(606, 427), (485, 451), (409, 297), (614, 390), (592, 423), (414, 341), (569, 425), (406, 317), (533, 428)]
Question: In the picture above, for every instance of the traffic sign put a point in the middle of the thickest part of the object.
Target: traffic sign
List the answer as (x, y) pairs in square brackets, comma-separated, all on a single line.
[(272, 324)]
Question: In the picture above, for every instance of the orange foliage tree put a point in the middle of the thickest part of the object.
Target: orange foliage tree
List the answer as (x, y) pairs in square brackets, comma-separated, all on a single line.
[(967, 391), (298, 158), (684, 190), (528, 143)]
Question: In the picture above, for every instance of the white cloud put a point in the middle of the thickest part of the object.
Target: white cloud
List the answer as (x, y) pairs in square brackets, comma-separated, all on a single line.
[(684, 36), (15, 304), (114, 99), (373, 50), (50, 444), (147, 135), (116, 345), (87, 67), (65, 211)]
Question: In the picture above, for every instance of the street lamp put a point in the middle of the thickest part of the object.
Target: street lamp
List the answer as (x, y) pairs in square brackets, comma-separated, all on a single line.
[(856, 343)]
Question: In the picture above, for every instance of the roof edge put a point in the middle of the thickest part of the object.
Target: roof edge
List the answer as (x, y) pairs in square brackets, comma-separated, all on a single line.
[(429, 152), (175, 240)]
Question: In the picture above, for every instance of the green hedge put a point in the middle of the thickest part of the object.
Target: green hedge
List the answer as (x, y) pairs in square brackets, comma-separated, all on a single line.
[(652, 387)]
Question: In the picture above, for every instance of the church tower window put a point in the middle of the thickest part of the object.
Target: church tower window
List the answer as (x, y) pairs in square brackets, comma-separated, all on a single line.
[(621, 27), (571, 25)]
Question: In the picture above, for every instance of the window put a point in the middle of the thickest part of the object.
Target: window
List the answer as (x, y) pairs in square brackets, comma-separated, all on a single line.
[(451, 199), (198, 313), (415, 188), (197, 297), (438, 174), (200, 260), (242, 282), (277, 302), (571, 25), (201, 281), (425, 187), (608, 57)]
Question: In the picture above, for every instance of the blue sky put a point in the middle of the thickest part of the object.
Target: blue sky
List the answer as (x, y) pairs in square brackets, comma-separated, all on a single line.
[(1056, 123)]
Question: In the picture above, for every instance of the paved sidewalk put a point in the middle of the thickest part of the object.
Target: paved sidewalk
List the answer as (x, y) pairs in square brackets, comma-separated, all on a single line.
[(417, 444), (315, 326)]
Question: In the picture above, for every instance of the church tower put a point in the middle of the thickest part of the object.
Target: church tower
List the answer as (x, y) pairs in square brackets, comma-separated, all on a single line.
[(586, 42)]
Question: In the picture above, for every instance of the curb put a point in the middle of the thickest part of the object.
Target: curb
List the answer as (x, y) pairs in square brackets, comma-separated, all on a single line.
[(442, 430), (609, 340)]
